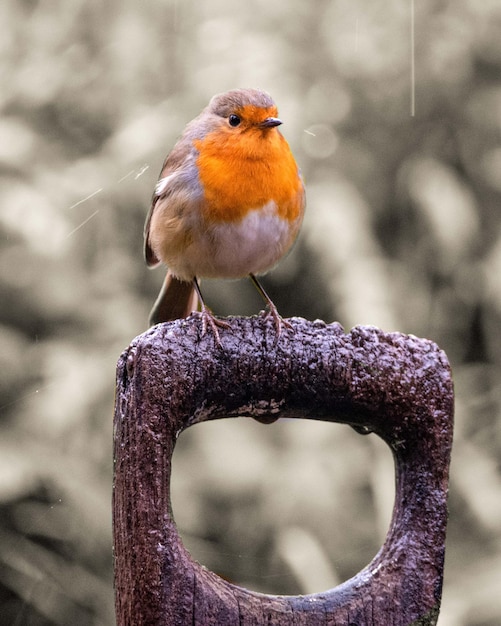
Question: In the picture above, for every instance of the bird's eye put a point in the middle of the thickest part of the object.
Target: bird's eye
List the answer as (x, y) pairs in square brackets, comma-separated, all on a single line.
[(234, 120)]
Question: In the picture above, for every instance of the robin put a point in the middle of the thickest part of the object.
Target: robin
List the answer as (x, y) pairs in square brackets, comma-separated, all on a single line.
[(229, 203)]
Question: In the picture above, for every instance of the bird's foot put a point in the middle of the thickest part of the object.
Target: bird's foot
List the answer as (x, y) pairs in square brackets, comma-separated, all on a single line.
[(209, 320), (278, 320)]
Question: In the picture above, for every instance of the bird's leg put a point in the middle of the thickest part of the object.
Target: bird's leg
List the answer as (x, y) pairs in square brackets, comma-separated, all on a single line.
[(208, 317), (272, 309)]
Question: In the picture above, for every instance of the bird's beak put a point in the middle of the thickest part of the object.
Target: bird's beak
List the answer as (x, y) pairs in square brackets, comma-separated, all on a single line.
[(270, 122)]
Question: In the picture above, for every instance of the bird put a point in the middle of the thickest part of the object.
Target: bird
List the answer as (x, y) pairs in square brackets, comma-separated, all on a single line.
[(229, 203)]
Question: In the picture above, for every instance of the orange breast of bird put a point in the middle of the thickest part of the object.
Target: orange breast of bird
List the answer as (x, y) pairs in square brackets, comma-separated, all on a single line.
[(253, 197), (240, 173)]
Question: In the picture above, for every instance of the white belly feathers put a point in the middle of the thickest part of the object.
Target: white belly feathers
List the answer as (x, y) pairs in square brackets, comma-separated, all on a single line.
[(252, 245)]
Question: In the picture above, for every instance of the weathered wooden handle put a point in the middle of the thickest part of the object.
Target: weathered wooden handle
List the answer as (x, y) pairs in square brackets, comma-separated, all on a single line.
[(394, 385)]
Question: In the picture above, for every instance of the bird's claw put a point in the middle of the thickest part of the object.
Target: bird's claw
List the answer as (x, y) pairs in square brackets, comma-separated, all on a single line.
[(209, 320), (278, 320)]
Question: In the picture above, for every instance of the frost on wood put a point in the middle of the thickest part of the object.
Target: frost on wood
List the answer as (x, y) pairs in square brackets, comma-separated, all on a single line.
[(394, 385)]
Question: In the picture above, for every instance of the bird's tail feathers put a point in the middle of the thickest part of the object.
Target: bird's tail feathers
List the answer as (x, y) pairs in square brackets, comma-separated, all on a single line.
[(177, 299)]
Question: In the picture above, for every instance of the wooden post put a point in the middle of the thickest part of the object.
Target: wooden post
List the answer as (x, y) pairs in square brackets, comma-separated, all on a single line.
[(394, 385)]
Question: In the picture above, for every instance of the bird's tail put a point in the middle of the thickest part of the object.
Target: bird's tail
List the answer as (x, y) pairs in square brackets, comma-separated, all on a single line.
[(177, 299)]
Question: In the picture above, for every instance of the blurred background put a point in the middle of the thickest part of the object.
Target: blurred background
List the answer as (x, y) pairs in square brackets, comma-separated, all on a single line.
[(394, 116)]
